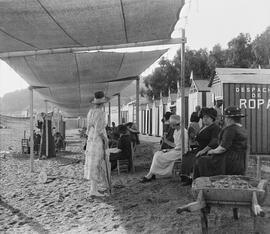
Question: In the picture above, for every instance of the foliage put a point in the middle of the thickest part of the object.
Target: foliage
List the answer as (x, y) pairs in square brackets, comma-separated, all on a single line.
[(241, 53)]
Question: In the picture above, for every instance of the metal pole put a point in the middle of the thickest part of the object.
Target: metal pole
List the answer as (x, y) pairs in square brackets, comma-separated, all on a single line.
[(119, 109), (183, 91), (31, 131), (137, 102), (46, 106), (109, 119)]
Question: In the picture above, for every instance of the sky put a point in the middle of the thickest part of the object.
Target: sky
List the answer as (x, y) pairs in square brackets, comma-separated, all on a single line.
[(207, 23)]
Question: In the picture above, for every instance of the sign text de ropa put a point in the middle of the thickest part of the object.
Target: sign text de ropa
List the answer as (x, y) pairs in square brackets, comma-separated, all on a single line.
[(254, 103), (256, 100)]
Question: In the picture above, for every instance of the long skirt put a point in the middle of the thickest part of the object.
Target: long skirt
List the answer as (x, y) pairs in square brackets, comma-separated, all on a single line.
[(228, 163), (162, 163), (188, 162), (97, 166)]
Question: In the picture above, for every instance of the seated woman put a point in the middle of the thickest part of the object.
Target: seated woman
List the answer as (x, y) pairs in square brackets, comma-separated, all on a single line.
[(59, 141), (229, 157), (167, 131), (133, 133), (193, 131), (207, 139), (163, 161), (124, 145)]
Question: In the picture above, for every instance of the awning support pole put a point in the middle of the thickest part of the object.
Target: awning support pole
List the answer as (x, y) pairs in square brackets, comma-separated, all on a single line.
[(31, 131), (46, 129), (137, 102), (171, 41), (183, 91), (119, 109), (109, 116)]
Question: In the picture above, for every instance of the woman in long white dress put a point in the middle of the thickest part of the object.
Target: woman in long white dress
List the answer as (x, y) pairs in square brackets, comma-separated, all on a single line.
[(97, 165), (162, 163)]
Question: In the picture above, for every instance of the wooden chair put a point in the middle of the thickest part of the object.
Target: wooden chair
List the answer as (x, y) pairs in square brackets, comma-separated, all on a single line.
[(25, 146), (177, 168), (123, 164)]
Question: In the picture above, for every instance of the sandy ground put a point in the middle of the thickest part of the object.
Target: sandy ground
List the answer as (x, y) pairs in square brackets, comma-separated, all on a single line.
[(62, 206)]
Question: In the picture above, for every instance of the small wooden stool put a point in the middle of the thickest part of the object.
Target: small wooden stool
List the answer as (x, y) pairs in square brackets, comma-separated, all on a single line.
[(25, 146), (177, 168), (122, 165)]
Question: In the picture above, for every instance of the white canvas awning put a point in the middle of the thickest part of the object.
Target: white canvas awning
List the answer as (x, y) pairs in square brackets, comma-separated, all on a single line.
[(41, 40), (51, 24), (69, 80)]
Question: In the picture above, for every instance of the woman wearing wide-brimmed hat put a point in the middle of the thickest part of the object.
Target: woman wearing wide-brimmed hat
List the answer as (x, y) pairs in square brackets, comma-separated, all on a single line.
[(207, 139), (162, 163), (229, 157), (96, 168)]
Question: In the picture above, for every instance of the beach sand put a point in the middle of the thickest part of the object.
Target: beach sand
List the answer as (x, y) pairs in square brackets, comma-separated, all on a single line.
[(62, 205)]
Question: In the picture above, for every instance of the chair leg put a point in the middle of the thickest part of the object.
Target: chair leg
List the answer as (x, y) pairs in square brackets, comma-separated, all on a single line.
[(118, 167), (235, 214), (204, 221)]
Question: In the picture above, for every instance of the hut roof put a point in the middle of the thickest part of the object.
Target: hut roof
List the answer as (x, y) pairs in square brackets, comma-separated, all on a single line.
[(242, 75), (202, 85)]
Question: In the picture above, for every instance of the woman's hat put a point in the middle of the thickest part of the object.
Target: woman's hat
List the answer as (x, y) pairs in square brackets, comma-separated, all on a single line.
[(132, 128), (233, 111), (122, 129), (175, 119), (99, 98), (211, 112)]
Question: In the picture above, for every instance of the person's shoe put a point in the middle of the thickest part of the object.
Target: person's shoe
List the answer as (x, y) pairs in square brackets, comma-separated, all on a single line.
[(187, 183), (184, 178), (145, 180)]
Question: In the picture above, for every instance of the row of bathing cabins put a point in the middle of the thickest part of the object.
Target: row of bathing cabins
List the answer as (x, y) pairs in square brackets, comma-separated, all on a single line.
[(247, 88)]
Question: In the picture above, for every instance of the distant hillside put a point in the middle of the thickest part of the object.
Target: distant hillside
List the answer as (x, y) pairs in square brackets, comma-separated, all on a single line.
[(18, 101)]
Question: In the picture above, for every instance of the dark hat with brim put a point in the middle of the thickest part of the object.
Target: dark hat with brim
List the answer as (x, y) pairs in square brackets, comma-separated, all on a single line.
[(211, 112), (99, 98), (233, 111)]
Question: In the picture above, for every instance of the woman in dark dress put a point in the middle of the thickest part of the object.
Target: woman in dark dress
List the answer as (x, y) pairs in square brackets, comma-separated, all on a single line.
[(232, 148), (168, 131), (207, 139)]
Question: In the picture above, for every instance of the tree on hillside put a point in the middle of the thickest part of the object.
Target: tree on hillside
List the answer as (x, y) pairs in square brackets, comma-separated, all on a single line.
[(239, 53), (196, 61), (261, 49)]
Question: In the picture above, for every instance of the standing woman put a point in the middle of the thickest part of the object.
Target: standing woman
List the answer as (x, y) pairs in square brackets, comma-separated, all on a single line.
[(96, 168)]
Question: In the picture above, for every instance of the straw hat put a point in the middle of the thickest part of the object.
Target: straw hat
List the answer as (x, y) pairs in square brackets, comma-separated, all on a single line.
[(99, 98), (233, 111), (175, 119)]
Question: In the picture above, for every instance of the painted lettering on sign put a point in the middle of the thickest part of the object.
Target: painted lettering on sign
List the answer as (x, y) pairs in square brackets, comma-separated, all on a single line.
[(256, 100), (253, 103)]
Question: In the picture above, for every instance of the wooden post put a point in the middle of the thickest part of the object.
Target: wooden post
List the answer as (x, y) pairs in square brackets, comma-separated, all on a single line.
[(258, 167), (47, 136), (46, 106), (183, 91), (119, 109), (109, 116), (138, 102), (31, 131)]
